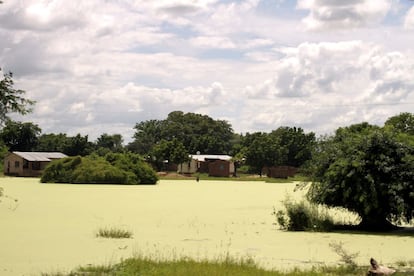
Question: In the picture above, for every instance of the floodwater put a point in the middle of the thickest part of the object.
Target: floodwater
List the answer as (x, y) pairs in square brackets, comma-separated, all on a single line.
[(52, 227)]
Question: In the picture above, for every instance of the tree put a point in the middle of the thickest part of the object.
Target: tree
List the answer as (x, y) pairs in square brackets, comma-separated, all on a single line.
[(298, 144), (78, 145), (368, 171), (195, 131), (18, 136), (198, 132), (404, 122), (264, 150), (11, 99), (171, 151), (111, 142), (146, 135), (52, 142)]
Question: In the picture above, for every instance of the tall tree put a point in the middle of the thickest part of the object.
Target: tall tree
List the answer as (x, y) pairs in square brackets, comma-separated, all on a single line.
[(11, 99), (18, 136), (368, 171), (78, 145), (404, 122), (298, 144), (146, 135), (111, 142), (168, 151), (195, 131), (52, 142), (198, 132), (265, 150)]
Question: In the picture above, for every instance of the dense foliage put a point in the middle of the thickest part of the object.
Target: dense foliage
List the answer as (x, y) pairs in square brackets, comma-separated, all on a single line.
[(11, 99), (18, 136), (111, 169), (168, 151), (367, 170), (283, 146), (303, 216), (195, 131)]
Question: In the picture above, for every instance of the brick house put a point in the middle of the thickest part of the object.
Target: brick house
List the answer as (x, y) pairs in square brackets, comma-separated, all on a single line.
[(214, 165)]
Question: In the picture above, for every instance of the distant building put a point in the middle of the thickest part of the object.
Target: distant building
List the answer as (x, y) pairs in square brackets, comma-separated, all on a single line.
[(214, 165), (280, 171), (19, 163)]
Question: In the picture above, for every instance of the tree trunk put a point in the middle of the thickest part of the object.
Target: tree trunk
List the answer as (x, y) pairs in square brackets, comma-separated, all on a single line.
[(376, 223)]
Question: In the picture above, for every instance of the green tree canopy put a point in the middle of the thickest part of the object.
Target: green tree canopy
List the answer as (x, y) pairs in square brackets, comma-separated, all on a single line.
[(404, 122), (299, 145), (366, 170), (19, 136), (11, 99), (195, 131), (111, 142), (168, 151), (52, 142), (264, 150), (289, 146)]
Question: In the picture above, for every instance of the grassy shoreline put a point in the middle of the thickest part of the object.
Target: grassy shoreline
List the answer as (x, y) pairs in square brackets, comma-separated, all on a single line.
[(226, 266)]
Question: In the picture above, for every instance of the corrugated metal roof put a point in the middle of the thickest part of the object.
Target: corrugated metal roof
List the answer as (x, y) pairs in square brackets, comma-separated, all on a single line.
[(203, 157), (39, 156)]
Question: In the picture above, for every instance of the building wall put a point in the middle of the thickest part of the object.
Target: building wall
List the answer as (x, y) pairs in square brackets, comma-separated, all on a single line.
[(188, 167), (15, 165), (221, 168), (281, 171), (212, 167)]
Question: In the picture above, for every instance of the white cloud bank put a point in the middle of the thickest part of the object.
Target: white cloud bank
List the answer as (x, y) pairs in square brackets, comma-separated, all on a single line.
[(96, 67), (334, 14), (409, 19)]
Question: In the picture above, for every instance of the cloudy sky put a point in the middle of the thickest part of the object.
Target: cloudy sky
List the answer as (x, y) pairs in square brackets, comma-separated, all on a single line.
[(101, 66)]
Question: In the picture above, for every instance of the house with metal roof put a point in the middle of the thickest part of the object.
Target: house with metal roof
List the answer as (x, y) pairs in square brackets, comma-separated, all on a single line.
[(214, 165), (20, 163)]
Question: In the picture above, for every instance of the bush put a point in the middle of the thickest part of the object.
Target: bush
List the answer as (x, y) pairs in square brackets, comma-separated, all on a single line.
[(61, 171), (99, 172), (113, 169), (135, 164), (303, 216)]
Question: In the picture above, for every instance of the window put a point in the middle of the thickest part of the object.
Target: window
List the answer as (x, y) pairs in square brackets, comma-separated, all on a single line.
[(36, 165), (16, 164)]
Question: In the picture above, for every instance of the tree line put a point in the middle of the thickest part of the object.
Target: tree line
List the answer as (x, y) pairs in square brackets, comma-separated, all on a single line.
[(173, 140)]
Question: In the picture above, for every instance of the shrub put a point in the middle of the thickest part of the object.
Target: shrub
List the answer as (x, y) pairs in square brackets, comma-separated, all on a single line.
[(112, 169), (303, 216), (61, 171), (99, 172), (135, 164)]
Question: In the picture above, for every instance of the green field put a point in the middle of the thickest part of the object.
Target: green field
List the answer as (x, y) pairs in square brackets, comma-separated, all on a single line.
[(53, 227)]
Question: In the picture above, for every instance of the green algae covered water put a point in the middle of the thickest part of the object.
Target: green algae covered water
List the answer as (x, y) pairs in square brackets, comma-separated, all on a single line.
[(52, 227)]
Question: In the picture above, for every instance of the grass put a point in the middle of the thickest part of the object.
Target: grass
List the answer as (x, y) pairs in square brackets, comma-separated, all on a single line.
[(114, 233), (240, 177), (186, 266)]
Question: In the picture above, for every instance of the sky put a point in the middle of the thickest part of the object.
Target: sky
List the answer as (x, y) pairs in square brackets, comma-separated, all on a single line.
[(102, 66)]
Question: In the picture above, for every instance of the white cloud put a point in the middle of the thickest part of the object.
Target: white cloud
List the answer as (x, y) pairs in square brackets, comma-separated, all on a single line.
[(213, 42), (96, 67), (333, 14), (321, 85), (409, 19)]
